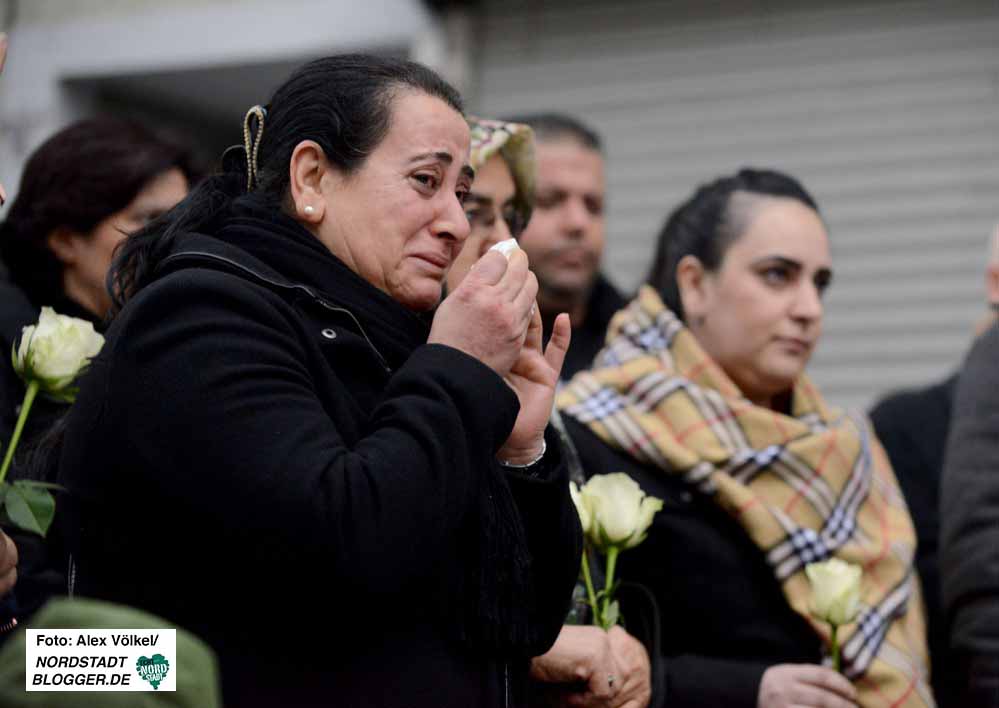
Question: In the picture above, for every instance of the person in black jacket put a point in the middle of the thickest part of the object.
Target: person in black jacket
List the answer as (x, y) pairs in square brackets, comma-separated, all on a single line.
[(285, 448), (969, 529)]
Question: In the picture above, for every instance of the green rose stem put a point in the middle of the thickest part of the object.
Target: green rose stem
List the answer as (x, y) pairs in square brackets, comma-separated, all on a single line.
[(29, 399), (591, 595), (611, 563), (835, 647)]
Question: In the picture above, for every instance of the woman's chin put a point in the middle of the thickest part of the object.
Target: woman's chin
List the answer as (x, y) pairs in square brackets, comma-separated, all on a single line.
[(420, 297)]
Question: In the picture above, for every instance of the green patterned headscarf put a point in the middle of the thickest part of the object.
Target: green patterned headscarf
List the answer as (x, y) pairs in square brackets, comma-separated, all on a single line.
[(515, 143)]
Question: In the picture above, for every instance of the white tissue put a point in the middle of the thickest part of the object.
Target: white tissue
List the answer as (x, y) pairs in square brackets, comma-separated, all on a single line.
[(506, 247)]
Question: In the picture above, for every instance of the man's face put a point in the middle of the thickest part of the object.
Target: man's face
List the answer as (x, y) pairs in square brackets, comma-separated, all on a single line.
[(565, 237)]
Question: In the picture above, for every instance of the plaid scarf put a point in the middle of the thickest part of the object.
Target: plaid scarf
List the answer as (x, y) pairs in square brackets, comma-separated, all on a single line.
[(804, 486)]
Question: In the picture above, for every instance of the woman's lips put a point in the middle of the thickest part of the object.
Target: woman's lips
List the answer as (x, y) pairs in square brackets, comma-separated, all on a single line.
[(795, 345), (434, 259)]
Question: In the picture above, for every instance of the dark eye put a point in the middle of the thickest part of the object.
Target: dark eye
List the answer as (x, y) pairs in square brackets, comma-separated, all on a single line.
[(594, 205), (822, 282), (776, 275), (548, 200), (462, 195), (427, 181), (479, 216)]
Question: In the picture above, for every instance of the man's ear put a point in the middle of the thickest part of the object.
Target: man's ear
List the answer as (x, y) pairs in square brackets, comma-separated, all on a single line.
[(309, 190), (64, 243), (992, 282), (692, 284)]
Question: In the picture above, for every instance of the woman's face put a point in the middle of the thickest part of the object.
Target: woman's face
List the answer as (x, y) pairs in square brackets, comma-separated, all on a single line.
[(87, 257), (759, 316), (398, 221), (488, 202)]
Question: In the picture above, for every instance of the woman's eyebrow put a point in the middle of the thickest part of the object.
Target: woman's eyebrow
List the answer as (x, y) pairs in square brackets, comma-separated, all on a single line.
[(445, 157), (783, 260), (441, 155), (478, 198)]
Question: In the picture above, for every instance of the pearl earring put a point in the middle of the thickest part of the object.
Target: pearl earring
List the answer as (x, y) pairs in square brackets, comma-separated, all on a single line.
[(309, 209)]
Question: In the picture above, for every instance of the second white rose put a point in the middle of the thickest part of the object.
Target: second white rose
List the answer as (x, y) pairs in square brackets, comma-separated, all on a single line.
[(619, 513), (835, 590)]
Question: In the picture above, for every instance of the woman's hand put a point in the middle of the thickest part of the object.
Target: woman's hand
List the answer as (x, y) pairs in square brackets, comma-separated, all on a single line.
[(533, 377), (488, 314), (805, 686), (8, 564), (580, 655), (634, 677), (591, 656)]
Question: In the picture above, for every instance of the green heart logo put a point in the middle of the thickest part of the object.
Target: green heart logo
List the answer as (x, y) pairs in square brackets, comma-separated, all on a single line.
[(153, 670)]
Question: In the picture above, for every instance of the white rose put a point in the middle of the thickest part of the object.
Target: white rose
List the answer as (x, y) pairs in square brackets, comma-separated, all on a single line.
[(835, 590), (54, 351), (620, 512), (584, 513)]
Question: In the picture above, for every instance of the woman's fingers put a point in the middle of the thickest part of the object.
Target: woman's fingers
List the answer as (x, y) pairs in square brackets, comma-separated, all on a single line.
[(490, 269), (525, 302), (558, 345), (8, 563), (805, 685), (535, 332), (813, 697), (516, 277), (831, 681)]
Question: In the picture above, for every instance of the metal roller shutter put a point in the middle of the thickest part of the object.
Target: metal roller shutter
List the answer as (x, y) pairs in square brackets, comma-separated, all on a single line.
[(888, 112)]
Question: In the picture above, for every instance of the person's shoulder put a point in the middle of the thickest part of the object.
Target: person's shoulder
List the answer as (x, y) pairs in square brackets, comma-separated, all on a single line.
[(16, 310), (606, 298), (191, 297), (904, 404), (986, 348)]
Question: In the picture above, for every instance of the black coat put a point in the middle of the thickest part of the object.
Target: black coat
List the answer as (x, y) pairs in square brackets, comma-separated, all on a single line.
[(588, 337), (969, 519), (724, 618), (16, 311), (269, 454), (912, 426)]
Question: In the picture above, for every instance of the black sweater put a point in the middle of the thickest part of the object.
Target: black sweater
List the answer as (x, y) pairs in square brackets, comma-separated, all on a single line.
[(269, 454)]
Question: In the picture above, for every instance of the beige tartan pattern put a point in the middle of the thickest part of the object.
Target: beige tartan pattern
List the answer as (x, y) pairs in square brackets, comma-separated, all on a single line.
[(804, 486)]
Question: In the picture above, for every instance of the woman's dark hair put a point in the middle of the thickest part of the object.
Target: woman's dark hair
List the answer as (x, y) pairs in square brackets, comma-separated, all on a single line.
[(76, 179), (706, 225), (343, 103)]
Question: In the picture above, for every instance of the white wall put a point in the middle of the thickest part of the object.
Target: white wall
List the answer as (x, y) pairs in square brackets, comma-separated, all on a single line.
[(888, 111), (56, 44)]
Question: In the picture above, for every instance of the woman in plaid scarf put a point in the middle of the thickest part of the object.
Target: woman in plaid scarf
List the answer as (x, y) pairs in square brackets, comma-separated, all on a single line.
[(700, 394)]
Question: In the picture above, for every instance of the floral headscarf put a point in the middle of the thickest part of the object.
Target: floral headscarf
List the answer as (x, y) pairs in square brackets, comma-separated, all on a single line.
[(515, 143)]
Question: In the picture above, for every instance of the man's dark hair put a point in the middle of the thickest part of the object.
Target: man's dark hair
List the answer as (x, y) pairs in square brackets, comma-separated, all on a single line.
[(555, 126)]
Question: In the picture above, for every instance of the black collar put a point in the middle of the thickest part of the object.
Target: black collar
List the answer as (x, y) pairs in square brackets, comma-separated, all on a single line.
[(275, 251)]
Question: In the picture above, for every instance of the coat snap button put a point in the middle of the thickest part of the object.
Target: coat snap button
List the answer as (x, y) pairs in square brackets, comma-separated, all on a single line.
[(329, 334)]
